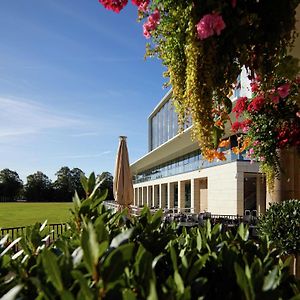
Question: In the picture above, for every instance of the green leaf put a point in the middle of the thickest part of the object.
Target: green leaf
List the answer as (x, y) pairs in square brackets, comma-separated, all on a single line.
[(243, 232), (12, 294), (76, 201), (90, 247), (179, 282), (66, 295), (173, 257), (120, 238), (152, 293), (84, 183), (10, 246), (271, 280), (217, 133), (84, 287), (91, 183), (228, 104), (199, 240), (243, 282), (114, 264), (51, 268), (128, 295)]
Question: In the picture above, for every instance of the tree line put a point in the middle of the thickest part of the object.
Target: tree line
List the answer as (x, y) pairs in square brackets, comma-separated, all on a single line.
[(40, 188)]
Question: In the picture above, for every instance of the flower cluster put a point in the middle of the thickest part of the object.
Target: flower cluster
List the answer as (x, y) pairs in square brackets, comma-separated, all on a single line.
[(141, 4), (271, 121), (151, 24), (114, 5), (209, 25), (191, 40)]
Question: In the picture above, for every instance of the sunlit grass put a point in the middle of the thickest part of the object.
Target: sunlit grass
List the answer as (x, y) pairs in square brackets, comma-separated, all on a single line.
[(22, 214)]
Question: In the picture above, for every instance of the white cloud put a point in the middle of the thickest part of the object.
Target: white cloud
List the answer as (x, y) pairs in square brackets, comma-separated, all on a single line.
[(23, 117), (81, 156), (83, 134)]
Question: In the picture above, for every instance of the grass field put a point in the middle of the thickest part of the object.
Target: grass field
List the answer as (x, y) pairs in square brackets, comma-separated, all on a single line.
[(21, 214)]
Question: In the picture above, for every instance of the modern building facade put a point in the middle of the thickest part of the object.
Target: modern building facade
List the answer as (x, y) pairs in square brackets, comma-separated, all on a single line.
[(173, 174)]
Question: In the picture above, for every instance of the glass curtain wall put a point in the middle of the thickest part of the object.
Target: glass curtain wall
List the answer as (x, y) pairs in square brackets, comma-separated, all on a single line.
[(164, 125)]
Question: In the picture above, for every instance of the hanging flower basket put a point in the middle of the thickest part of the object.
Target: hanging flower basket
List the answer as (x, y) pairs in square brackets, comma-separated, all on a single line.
[(204, 45)]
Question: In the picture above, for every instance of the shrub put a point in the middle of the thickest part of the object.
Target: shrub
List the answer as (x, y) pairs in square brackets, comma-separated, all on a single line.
[(105, 255), (281, 224)]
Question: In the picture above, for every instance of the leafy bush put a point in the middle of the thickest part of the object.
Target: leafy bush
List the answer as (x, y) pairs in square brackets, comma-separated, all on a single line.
[(281, 223), (105, 255)]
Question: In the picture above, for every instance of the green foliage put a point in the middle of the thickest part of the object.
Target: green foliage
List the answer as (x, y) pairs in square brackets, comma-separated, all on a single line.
[(106, 255), (10, 185), (38, 187), (281, 224)]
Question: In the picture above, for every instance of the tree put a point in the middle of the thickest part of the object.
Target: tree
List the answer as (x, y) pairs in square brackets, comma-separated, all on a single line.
[(63, 185), (76, 173), (107, 183), (10, 185), (67, 182), (38, 188)]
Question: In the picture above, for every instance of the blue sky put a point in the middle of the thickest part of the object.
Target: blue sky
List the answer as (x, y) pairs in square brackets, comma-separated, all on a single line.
[(72, 79)]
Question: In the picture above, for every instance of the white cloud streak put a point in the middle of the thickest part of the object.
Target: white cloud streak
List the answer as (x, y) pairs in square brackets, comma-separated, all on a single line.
[(83, 156), (20, 117)]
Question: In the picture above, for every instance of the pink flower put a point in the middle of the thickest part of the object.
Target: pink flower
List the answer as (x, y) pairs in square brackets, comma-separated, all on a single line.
[(240, 106), (255, 143), (254, 86), (114, 5), (245, 125), (284, 90), (233, 3), (256, 104), (235, 126), (155, 17), (251, 151), (219, 24), (209, 25), (151, 24), (262, 158), (141, 4)]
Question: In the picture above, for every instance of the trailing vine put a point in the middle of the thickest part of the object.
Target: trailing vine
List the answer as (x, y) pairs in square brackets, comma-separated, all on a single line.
[(204, 46)]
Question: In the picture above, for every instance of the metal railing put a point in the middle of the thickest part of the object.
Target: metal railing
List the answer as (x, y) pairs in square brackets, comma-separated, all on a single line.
[(54, 230)]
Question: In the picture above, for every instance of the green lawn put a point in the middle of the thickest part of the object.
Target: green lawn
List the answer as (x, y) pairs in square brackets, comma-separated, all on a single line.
[(20, 214)]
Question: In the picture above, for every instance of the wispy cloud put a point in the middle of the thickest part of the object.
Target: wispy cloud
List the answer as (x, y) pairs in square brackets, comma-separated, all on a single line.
[(83, 134), (83, 156), (24, 117)]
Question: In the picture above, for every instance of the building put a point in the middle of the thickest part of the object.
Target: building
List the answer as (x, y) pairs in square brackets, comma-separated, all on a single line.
[(173, 174)]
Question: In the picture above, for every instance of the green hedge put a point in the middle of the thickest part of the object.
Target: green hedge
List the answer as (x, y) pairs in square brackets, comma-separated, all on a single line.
[(105, 255), (281, 224)]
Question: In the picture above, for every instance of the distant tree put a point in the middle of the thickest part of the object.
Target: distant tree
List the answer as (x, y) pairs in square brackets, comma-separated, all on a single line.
[(107, 183), (76, 183), (63, 185), (10, 185), (66, 183), (38, 188)]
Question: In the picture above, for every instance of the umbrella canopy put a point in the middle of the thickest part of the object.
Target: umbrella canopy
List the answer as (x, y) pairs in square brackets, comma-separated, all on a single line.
[(123, 188)]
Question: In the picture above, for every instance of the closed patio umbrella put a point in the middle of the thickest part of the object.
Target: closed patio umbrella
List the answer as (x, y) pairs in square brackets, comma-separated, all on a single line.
[(123, 188)]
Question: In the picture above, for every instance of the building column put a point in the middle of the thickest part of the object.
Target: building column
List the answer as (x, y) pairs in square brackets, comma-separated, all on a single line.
[(136, 195), (181, 195), (170, 195), (140, 196), (287, 186), (144, 201), (240, 209), (162, 196), (260, 194), (203, 195), (149, 196), (195, 195), (153, 196), (156, 195)]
